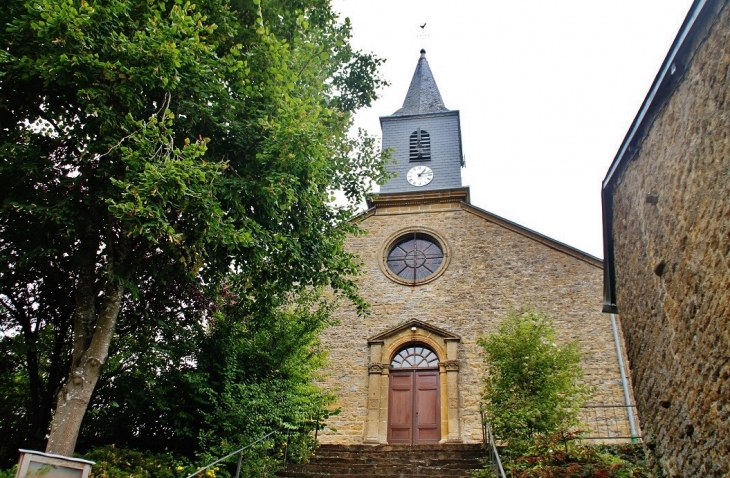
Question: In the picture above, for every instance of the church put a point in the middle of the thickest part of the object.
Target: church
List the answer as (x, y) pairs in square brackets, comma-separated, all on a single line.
[(439, 274)]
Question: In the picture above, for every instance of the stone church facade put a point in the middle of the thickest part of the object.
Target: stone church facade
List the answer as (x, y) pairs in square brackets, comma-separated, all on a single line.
[(439, 274)]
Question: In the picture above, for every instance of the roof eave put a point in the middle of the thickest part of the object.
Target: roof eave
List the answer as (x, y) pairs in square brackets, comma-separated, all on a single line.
[(695, 25)]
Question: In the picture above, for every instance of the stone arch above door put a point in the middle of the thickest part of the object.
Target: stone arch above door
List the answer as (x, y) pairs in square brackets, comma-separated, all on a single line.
[(383, 347)]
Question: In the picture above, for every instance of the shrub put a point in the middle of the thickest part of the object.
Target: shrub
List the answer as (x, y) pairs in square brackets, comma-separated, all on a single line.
[(9, 473), (532, 385), (112, 462)]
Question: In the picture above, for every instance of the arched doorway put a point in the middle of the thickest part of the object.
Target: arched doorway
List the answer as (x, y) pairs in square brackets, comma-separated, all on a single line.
[(384, 347), (414, 408)]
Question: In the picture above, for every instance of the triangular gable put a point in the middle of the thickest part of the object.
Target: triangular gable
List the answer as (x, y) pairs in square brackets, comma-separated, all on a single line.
[(461, 196), (536, 236), (446, 335)]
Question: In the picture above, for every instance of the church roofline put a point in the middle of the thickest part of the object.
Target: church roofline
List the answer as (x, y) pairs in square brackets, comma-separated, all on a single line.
[(534, 235), (688, 39), (370, 211), (461, 195), (691, 35), (419, 115)]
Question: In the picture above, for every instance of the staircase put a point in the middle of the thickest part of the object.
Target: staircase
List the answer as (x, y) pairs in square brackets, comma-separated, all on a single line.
[(389, 461)]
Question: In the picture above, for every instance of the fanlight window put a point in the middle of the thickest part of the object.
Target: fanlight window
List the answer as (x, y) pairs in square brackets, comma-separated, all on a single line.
[(415, 357), (420, 146)]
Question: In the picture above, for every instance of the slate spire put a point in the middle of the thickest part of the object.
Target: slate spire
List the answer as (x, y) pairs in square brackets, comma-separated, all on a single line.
[(423, 95)]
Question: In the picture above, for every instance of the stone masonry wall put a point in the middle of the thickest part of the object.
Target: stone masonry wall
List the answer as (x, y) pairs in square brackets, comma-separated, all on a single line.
[(672, 248), (492, 269)]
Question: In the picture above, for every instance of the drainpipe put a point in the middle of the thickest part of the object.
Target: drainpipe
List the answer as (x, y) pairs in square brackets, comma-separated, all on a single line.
[(624, 382)]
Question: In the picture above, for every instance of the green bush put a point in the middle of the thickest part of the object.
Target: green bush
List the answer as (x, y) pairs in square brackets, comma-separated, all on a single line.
[(9, 473), (532, 386), (112, 462), (532, 397)]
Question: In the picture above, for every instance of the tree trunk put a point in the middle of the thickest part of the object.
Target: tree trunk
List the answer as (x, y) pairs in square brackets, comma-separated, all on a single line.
[(76, 393), (93, 332)]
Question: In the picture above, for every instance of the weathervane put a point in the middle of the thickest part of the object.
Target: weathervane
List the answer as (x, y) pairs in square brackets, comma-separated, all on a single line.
[(423, 35)]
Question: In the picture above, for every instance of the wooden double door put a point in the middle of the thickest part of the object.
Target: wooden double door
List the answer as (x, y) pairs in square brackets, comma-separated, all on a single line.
[(414, 411)]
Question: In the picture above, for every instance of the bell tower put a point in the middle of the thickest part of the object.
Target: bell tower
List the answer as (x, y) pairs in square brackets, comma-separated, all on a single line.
[(425, 137)]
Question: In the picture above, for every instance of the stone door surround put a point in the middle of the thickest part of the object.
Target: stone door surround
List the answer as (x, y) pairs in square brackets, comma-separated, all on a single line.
[(383, 347)]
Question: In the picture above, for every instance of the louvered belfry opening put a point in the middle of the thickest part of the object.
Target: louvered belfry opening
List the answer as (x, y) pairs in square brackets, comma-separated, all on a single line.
[(420, 146)]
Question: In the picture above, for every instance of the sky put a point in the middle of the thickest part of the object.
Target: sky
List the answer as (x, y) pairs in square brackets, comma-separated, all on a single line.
[(546, 92)]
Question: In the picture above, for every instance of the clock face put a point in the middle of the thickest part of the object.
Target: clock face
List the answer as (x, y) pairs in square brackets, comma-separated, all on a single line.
[(420, 175)]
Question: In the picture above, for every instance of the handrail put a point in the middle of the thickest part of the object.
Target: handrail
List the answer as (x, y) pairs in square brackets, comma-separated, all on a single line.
[(231, 454), (489, 443), (496, 461)]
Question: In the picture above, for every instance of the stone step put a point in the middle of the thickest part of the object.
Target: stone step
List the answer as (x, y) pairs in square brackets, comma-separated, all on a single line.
[(461, 463), (424, 472), (458, 462), (443, 474), (444, 451), (386, 461), (460, 447), (378, 469), (439, 474), (419, 459)]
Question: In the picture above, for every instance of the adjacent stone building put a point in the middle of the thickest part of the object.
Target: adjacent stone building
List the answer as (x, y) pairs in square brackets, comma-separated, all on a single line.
[(667, 247), (440, 273)]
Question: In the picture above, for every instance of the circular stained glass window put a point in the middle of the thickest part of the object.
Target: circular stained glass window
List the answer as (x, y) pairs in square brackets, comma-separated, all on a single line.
[(415, 256), (415, 357)]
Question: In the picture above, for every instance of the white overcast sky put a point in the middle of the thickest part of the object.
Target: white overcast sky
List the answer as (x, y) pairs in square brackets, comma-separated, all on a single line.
[(546, 90)]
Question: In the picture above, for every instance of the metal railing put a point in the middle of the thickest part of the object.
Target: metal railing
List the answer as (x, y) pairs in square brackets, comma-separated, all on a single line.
[(240, 457), (491, 447), (606, 423), (284, 433), (609, 422)]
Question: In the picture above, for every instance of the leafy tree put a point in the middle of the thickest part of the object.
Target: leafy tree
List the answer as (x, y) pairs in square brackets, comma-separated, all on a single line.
[(155, 156), (532, 385), (35, 349), (219, 389)]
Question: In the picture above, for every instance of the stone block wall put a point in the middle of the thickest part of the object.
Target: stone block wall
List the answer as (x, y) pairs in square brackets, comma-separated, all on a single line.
[(492, 269), (671, 233)]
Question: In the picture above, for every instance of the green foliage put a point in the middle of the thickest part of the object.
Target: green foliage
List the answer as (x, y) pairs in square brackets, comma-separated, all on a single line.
[(260, 376), (187, 153), (532, 395), (532, 387), (207, 391), (562, 455), (9, 473), (113, 462), (35, 348), (630, 452), (261, 459)]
